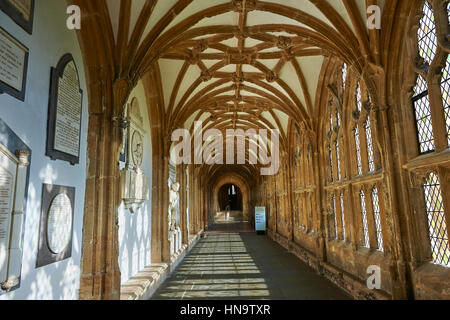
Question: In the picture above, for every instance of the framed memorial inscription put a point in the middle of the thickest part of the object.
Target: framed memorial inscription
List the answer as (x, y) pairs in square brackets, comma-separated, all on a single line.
[(15, 159), (64, 112), (56, 226), (13, 66), (21, 11)]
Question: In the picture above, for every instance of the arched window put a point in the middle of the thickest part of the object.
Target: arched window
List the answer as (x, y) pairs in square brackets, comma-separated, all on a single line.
[(344, 75), (426, 109), (338, 160), (377, 218), (365, 225), (358, 151), (370, 154), (342, 215), (358, 97), (436, 221)]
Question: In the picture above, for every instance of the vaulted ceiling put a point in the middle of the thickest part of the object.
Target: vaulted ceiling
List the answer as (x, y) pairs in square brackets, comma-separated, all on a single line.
[(236, 63)]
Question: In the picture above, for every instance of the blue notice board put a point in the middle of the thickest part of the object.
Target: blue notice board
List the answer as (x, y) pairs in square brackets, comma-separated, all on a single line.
[(260, 219)]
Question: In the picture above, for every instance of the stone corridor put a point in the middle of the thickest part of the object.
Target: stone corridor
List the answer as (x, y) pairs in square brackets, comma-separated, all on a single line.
[(244, 266)]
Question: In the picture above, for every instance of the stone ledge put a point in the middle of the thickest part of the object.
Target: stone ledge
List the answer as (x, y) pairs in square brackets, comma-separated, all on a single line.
[(144, 284)]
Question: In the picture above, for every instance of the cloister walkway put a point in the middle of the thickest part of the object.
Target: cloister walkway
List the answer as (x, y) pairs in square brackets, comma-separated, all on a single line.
[(244, 266)]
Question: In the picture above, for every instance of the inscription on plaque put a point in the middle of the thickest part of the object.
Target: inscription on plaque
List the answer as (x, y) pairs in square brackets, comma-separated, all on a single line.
[(59, 223), (12, 61), (65, 112), (7, 185), (68, 114), (56, 226)]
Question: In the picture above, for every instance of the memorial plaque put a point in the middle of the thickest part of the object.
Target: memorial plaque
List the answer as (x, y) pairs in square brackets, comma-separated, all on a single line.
[(56, 226), (14, 178), (59, 223), (65, 113), (21, 11), (13, 66), (7, 186)]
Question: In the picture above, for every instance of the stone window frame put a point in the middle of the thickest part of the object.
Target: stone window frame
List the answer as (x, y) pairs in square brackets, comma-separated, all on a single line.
[(420, 165), (345, 101)]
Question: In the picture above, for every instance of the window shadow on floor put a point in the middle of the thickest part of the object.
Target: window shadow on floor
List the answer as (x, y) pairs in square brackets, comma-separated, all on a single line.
[(241, 265)]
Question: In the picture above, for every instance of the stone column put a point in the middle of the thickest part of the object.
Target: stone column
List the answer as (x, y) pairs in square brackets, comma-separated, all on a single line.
[(100, 275)]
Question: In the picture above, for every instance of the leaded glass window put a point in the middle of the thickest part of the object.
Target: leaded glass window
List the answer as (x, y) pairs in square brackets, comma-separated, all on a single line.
[(333, 200), (436, 221), (338, 160), (364, 220), (427, 39), (359, 97), (377, 217), (422, 112), (344, 75), (342, 215), (370, 154), (358, 151)]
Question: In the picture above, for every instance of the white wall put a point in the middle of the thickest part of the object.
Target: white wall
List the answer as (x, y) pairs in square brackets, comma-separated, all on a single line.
[(135, 229), (49, 42)]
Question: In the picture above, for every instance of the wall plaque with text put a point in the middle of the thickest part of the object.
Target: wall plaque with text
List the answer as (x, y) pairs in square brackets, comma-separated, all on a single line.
[(21, 11), (65, 112), (56, 226), (14, 177), (13, 66)]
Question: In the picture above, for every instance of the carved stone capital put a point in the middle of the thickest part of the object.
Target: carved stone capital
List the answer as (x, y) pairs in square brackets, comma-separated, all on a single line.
[(23, 157)]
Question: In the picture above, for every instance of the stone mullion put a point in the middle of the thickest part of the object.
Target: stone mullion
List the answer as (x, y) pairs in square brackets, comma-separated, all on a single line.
[(339, 216), (419, 238), (376, 151), (437, 113), (358, 225), (351, 167), (329, 230), (343, 157), (444, 179), (363, 146), (370, 218), (334, 156), (305, 220), (387, 240)]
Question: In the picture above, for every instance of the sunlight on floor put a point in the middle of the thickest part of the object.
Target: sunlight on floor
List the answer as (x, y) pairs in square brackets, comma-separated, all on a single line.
[(225, 258)]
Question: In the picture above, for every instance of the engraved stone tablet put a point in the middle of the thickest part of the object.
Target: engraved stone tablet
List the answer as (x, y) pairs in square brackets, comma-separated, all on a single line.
[(56, 226), (59, 223), (13, 60), (65, 113), (68, 112)]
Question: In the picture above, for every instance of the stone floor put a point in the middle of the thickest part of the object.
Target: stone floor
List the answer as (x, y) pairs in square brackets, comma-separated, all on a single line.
[(241, 266)]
